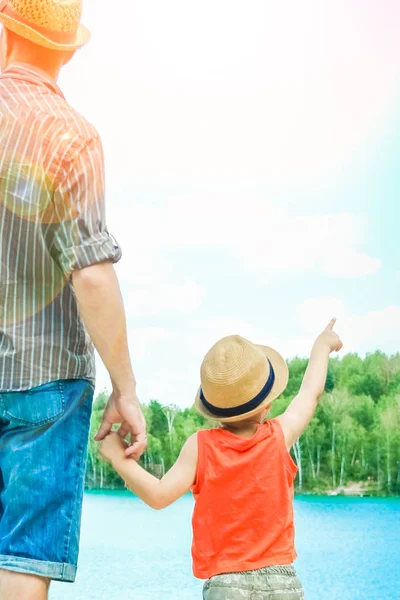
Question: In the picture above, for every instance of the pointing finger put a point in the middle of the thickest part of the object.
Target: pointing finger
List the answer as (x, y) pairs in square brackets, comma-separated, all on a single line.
[(331, 325)]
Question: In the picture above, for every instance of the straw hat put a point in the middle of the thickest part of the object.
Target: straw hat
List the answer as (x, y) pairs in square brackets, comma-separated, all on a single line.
[(239, 378), (53, 24)]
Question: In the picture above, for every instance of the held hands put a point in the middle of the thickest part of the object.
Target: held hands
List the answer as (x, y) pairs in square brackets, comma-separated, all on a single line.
[(125, 409), (329, 338), (113, 448)]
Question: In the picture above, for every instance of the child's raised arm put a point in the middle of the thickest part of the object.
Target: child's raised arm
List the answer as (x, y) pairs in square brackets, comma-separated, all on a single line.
[(157, 494), (301, 410)]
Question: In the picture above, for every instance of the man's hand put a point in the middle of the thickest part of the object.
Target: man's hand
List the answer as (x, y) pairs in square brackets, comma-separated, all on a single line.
[(102, 311), (125, 409), (113, 448), (329, 338)]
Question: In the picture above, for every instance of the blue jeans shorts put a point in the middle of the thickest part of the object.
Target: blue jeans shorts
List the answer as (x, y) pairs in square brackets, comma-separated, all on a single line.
[(43, 446)]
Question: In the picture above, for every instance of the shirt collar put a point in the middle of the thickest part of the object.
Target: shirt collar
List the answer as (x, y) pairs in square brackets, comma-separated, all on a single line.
[(31, 74)]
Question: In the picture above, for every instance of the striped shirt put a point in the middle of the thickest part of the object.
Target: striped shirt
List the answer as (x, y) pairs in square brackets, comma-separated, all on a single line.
[(52, 222)]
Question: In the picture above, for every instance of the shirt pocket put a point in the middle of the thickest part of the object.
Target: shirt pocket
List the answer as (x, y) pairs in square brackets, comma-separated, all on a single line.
[(35, 407)]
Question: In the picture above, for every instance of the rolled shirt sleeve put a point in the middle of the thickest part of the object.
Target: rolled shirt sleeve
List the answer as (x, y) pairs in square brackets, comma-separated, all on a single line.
[(81, 238)]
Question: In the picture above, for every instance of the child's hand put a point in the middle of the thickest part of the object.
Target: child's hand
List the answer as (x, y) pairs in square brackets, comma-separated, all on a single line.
[(329, 338), (113, 447)]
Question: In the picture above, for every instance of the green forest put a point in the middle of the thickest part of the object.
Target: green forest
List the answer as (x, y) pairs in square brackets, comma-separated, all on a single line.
[(351, 446)]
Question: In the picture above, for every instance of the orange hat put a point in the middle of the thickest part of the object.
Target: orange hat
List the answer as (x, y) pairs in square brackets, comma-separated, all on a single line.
[(53, 24)]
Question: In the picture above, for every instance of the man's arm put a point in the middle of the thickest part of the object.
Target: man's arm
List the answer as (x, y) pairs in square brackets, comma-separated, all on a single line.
[(301, 410), (157, 494), (102, 311), (84, 250)]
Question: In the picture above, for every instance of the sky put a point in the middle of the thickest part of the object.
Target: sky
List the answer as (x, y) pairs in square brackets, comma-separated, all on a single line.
[(252, 154)]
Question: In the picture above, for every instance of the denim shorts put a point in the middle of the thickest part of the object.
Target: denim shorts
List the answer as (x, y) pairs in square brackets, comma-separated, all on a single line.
[(43, 447), (271, 583)]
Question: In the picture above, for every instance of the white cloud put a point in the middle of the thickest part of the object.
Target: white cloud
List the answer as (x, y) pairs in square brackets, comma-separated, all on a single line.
[(379, 329), (263, 237), (317, 312), (140, 265), (164, 298), (376, 329), (142, 341), (237, 89), (324, 244)]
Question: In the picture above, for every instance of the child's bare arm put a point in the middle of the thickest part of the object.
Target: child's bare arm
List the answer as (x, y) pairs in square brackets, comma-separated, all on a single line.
[(157, 494), (301, 410)]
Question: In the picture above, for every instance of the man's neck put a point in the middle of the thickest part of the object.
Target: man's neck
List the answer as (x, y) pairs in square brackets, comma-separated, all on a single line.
[(51, 72), (52, 76)]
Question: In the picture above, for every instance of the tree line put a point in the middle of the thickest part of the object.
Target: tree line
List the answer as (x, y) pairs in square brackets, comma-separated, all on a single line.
[(353, 441)]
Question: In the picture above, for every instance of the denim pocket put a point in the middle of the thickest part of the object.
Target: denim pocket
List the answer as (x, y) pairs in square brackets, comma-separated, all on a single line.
[(37, 406)]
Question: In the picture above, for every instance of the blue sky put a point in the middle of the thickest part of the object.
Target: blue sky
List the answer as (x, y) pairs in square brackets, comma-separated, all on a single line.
[(252, 157)]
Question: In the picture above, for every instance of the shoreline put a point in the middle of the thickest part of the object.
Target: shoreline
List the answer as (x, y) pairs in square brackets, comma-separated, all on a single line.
[(342, 492), (354, 489)]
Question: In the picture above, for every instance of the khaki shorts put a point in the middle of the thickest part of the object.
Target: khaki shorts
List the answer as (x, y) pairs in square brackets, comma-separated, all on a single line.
[(271, 583)]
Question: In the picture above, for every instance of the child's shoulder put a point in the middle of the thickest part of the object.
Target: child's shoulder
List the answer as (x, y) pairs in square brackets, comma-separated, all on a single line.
[(209, 432), (195, 442), (204, 434), (201, 434)]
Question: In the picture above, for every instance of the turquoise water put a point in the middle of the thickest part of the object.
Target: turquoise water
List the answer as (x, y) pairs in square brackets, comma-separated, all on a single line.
[(348, 549)]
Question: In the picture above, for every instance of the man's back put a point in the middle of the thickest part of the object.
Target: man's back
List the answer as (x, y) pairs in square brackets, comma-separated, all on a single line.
[(51, 223), (55, 256)]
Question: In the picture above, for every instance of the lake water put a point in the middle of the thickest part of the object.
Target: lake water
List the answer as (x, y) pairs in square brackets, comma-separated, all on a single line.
[(348, 546)]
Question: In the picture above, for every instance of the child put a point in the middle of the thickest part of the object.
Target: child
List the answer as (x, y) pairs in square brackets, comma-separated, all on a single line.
[(241, 474)]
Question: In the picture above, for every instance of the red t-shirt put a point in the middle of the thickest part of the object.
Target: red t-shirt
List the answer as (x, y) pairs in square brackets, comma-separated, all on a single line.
[(243, 516)]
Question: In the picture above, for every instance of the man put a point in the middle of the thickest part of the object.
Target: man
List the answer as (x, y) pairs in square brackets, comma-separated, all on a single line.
[(58, 294)]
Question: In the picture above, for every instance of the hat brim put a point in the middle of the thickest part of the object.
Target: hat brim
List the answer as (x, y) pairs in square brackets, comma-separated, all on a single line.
[(29, 33), (281, 380)]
